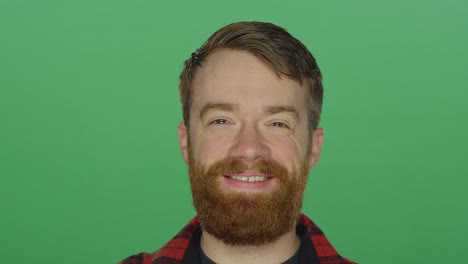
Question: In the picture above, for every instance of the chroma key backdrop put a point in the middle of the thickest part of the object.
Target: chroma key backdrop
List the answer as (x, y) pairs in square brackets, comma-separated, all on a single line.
[(90, 170)]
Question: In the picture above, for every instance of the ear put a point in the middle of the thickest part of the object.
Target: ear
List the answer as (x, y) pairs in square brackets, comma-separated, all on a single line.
[(183, 141), (317, 140)]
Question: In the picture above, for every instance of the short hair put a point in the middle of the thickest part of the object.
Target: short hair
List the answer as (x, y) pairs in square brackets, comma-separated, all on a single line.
[(274, 46)]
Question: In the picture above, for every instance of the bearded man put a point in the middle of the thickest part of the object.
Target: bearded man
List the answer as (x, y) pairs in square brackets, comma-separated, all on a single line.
[(251, 99)]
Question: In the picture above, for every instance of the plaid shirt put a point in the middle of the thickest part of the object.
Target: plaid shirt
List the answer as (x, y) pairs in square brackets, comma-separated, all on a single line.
[(184, 247)]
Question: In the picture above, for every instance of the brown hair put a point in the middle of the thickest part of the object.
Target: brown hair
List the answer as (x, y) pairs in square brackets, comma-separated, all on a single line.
[(273, 45)]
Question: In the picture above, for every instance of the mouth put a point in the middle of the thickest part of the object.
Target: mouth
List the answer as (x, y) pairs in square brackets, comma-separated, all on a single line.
[(248, 182), (249, 178)]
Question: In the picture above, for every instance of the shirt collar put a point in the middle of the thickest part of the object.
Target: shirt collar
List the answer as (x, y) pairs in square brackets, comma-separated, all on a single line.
[(184, 247)]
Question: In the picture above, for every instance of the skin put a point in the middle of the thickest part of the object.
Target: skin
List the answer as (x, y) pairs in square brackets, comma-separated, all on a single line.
[(242, 109)]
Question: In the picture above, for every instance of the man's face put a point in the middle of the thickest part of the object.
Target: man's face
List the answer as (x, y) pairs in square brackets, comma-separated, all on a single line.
[(248, 147)]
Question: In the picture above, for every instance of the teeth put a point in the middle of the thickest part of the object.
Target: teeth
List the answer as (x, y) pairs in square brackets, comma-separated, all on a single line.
[(249, 179)]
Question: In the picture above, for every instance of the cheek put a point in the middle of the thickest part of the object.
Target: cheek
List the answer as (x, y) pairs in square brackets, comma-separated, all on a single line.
[(289, 151), (212, 148), (286, 153)]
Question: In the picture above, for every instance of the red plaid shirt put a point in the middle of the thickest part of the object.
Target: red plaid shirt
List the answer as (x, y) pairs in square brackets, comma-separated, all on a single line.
[(184, 247)]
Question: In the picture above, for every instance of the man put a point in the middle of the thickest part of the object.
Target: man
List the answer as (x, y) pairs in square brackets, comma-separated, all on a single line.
[(251, 99)]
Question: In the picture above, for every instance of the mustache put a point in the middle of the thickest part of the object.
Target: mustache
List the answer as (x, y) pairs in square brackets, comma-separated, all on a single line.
[(237, 166)]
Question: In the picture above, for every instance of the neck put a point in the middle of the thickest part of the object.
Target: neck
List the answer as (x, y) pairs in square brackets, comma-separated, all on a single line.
[(275, 252)]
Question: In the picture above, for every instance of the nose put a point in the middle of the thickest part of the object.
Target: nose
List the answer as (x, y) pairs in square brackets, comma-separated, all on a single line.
[(249, 145)]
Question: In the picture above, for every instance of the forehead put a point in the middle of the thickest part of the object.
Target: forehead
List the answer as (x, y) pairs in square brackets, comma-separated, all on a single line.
[(239, 77)]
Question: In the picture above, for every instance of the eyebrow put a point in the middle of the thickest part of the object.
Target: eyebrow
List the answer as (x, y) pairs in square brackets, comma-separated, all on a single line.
[(232, 107), (218, 106), (282, 109)]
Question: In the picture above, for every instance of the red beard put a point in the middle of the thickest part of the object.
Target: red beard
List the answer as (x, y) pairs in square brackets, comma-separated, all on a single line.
[(247, 219)]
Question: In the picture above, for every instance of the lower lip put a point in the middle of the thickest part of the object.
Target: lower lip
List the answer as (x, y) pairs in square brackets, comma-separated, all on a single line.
[(245, 185)]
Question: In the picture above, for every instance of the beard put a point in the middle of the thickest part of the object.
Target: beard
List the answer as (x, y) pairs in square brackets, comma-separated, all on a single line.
[(247, 219)]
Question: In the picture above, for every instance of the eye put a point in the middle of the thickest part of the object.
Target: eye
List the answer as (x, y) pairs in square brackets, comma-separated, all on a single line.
[(218, 122), (280, 125)]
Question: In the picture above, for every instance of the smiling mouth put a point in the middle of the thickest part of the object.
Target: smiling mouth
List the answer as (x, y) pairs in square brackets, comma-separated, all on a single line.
[(249, 178)]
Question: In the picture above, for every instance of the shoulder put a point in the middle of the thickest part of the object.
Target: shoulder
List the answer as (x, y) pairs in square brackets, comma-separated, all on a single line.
[(142, 258), (347, 261), (173, 251)]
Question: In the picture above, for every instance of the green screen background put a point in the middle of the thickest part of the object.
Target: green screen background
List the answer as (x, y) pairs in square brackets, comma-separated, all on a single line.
[(90, 170)]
